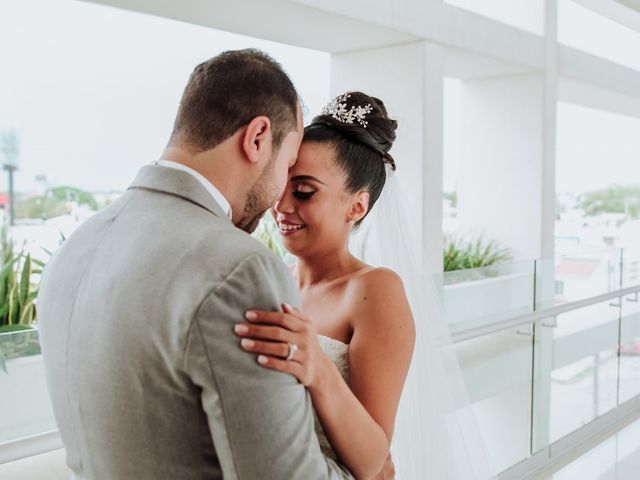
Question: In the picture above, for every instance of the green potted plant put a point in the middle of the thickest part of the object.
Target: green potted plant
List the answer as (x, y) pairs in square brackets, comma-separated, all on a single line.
[(473, 253), (24, 396), (18, 293), (481, 283)]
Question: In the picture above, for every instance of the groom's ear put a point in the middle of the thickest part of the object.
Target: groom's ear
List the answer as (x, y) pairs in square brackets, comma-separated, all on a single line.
[(257, 140)]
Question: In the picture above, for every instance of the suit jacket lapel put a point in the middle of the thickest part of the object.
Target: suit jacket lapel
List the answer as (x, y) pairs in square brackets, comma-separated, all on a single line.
[(178, 183)]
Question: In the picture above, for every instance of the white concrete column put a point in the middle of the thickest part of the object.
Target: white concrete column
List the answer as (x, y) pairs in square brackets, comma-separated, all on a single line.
[(545, 274), (409, 80), (550, 109), (501, 186), (432, 166)]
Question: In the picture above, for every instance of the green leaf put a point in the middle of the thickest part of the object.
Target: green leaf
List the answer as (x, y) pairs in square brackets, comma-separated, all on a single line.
[(17, 293), (267, 233), (13, 304), (8, 267), (25, 281), (12, 278), (4, 309), (462, 254), (40, 263), (5, 275), (7, 250), (16, 301), (26, 315)]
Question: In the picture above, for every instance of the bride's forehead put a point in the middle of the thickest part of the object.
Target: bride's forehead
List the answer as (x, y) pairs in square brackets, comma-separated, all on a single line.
[(313, 148), (317, 157)]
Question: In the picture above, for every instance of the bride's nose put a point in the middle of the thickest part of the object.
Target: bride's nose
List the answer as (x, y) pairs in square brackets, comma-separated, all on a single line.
[(284, 204)]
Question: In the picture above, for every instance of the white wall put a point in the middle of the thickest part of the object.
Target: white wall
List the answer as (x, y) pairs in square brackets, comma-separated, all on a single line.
[(500, 172), (409, 79)]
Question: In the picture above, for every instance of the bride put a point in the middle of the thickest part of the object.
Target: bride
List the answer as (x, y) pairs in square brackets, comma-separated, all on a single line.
[(353, 345)]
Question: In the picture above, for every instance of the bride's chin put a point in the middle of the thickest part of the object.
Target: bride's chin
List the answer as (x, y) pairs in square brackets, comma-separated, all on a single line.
[(290, 241), (292, 247)]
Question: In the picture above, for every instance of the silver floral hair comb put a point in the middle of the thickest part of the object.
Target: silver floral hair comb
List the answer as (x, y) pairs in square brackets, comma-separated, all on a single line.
[(337, 108)]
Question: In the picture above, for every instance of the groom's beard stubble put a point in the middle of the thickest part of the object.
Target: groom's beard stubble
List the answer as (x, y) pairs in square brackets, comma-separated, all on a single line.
[(259, 199)]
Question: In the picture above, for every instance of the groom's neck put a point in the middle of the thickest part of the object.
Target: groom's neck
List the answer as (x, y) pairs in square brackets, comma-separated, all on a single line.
[(218, 166)]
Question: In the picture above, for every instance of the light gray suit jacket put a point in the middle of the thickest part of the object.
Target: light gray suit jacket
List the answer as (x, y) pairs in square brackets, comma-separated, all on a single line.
[(136, 313)]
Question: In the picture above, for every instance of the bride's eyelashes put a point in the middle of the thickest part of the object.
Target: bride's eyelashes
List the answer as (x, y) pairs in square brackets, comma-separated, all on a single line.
[(303, 195)]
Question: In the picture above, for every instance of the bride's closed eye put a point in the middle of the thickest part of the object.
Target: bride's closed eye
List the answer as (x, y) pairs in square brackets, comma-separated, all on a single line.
[(303, 194)]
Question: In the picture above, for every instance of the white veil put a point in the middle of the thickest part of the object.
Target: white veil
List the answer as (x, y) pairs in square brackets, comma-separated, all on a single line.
[(436, 435)]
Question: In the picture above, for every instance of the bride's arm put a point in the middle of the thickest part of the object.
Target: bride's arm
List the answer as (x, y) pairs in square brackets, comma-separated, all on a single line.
[(379, 356), (357, 418)]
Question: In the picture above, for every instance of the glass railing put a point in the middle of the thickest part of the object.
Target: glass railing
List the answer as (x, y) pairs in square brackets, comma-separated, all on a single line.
[(629, 358), (497, 373), (546, 379), (479, 296), (583, 371)]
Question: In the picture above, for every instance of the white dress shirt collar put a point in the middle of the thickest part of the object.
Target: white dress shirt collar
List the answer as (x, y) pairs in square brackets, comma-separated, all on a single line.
[(215, 193)]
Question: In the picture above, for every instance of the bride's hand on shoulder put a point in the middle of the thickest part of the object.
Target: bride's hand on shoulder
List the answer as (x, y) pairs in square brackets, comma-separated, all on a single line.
[(273, 336)]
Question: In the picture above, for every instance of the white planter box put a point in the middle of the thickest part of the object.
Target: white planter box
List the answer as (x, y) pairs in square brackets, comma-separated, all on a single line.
[(488, 300), (25, 408)]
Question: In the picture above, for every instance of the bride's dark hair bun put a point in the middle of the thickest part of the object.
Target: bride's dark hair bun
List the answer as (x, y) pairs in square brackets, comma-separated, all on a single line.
[(361, 132)]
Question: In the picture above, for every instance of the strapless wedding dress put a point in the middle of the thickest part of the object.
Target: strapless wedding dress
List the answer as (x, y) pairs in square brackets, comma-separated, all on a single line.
[(338, 352)]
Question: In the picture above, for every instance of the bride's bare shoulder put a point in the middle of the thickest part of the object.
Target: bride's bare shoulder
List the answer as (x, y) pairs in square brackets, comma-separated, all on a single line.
[(380, 308), (377, 289), (379, 279)]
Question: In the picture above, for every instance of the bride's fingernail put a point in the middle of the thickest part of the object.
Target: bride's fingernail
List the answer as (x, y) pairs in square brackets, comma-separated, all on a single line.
[(262, 359), (251, 315), (246, 343), (241, 328)]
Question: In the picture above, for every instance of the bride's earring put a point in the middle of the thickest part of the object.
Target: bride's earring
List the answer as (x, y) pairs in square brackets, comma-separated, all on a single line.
[(351, 221)]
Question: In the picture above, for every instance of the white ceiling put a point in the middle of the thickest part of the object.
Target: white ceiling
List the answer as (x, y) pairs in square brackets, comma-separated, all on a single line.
[(625, 12), (276, 20), (466, 65), (635, 4)]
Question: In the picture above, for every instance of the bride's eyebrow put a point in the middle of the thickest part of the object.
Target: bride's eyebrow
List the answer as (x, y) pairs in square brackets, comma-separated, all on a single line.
[(306, 178)]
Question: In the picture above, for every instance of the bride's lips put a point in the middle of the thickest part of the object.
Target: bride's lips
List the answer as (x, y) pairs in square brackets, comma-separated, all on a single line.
[(289, 228)]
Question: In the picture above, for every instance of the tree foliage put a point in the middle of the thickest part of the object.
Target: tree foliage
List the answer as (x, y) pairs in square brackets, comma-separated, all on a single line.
[(613, 199), (73, 194), (55, 202)]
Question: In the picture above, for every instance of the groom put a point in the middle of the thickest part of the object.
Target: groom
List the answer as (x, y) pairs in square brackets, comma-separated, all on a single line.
[(137, 308)]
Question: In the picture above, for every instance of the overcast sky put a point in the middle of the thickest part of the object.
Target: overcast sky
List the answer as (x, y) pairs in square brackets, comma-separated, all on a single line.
[(92, 92)]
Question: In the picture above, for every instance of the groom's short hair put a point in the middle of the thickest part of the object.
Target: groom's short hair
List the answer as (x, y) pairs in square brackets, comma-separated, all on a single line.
[(229, 90)]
